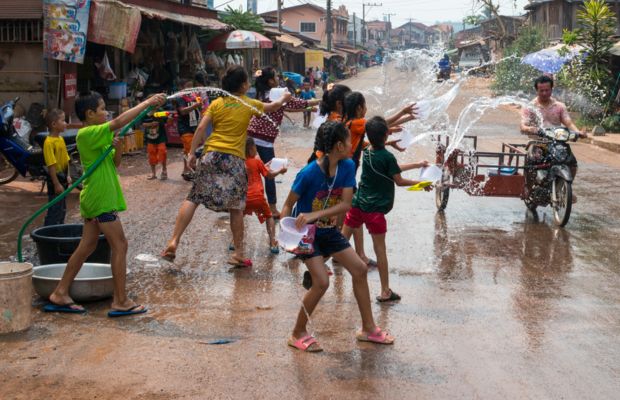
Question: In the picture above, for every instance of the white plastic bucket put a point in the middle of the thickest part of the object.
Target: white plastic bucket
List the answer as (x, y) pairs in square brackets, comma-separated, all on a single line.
[(276, 94), (431, 173), (289, 236), (15, 296), (278, 163)]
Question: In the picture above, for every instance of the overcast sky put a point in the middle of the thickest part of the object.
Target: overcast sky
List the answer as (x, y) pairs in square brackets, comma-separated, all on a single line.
[(425, 11)]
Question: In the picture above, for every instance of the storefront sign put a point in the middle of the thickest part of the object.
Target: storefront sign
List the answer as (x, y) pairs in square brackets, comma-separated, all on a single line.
[(314, 58), (66, 29), (70, 86)]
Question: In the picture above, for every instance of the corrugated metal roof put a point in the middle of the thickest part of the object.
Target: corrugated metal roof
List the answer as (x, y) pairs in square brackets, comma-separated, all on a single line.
[(209, 23), (22, 9)]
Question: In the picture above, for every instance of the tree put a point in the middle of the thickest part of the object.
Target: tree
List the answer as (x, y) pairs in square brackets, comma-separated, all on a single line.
[(597, 26), (491, 7), (247, 20), (474, 20)]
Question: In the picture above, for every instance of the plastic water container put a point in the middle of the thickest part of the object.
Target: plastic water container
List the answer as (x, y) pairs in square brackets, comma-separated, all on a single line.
[(406, 139), (276, 94), (278, 163), (118, 90), (431, 173), (289, 237), (318, 120)]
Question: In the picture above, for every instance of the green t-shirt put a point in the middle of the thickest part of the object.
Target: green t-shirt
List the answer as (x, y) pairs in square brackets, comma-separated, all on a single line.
[(156, 134), (102, 190), (376, 188)]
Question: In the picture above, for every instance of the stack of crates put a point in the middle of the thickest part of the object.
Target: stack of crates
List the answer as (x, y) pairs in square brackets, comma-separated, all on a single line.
[(133, 142)]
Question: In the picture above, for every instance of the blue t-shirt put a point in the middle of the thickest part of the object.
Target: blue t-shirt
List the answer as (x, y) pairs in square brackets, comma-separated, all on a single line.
[(309, 95), (312, 187)]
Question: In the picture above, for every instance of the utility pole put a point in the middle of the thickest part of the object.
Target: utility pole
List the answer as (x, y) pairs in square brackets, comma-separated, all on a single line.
[(354, 32), (389, 28), (329, 25), (369, 5), (410, 33), (280, 15)]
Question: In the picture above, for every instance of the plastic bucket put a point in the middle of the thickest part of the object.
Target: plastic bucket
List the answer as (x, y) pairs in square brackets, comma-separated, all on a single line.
[(56, 243), (276, 94), (278, 163), (431, 173), (15, 296), (289, 237)]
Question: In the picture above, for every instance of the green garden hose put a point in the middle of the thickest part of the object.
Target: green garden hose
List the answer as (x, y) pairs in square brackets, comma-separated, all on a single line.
[(86, 174)]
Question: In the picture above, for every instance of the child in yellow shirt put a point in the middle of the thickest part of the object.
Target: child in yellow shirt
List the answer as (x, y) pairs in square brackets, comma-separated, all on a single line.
[(57, 162)]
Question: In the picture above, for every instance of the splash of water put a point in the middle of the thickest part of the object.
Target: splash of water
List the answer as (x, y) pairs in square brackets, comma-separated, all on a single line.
[(221, 93)]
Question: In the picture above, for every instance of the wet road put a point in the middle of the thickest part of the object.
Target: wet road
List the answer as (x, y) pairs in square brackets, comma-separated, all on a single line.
[(496, 303)]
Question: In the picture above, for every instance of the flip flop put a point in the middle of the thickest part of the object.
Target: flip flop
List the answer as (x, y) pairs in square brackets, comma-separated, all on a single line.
[(237, 263), (168, 255), (164, 176), (378, 336), (231, 247), (305, 344), (393, 297), (307, 281), (132, 311), (274, 250), (64, 308), (151, 177)]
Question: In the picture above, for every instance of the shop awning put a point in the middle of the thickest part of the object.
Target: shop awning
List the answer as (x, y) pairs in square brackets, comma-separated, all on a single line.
[(208, 23), (328, 55), (288, 39), (349, 51), (293, 49)]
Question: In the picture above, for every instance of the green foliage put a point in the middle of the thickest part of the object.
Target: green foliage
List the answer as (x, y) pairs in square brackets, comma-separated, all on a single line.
[(588, 77), (510, 74), (612, 123), (242, 20), (569, 37), (474, 20)]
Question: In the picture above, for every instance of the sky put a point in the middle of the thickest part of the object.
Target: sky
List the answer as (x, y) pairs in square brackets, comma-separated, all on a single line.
[(428, 12)]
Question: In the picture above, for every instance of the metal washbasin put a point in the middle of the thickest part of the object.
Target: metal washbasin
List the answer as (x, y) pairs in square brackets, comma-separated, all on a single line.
[(93, 282)]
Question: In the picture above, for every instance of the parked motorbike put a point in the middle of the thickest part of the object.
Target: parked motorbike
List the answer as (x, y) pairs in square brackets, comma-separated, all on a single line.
[(548, 176), (18, 156)]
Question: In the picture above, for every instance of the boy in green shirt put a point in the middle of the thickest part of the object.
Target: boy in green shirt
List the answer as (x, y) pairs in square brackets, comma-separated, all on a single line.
[(375, 197), (57, 163), (100, 201)]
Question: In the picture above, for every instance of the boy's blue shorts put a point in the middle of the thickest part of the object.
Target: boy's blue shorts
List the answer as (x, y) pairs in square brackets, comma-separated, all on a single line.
[(327, 241)]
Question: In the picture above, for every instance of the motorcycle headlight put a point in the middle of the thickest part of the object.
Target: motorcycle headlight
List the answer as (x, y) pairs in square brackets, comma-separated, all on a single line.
[(559, 153), (561, 134)]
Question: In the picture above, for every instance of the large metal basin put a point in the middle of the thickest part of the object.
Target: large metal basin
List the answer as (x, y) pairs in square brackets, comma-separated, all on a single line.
[(93, 282)]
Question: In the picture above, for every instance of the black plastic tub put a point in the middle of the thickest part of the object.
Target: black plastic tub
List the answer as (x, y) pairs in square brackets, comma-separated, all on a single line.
[(56, 243)]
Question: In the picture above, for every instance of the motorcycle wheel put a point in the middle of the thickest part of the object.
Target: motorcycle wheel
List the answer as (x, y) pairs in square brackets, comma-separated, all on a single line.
[(561, 201), (442, 194), (8, 173)]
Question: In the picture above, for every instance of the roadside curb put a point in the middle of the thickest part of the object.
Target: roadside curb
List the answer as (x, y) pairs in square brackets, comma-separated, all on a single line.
[(605, 144)]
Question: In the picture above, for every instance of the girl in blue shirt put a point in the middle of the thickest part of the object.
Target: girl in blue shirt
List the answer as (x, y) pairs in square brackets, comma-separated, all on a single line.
[(322, 191)]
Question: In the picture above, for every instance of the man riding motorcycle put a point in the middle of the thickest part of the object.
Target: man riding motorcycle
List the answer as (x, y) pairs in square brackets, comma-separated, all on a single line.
[(553, 112)]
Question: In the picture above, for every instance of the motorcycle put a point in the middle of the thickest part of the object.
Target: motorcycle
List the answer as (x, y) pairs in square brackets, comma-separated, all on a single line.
[(548, 177), (18, 156)]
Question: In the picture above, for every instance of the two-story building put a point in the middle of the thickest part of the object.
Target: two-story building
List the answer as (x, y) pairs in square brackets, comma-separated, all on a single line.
[(556, 15), (355, 30), (311, 20), (377, 32)]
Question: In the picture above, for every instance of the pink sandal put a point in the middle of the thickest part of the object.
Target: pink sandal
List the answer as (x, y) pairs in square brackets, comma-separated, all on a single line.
[(240, 263), (304, 344), (378, 336)]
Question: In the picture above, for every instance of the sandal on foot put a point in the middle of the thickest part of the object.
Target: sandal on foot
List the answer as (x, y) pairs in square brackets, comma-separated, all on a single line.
[(240, 263), (231, 247), (274, 250), (307, 343), (307, 281), (151, 177), (378, 336), (392, 297), (164, 176), (138, 309), (168, 255), (69, 308)]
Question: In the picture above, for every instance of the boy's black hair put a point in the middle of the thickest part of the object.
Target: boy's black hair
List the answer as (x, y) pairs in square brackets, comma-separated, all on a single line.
[(377, 131), (331, 97), (543, 79), (249, 143), (351, 101), (85, 102), (262, 82), (52, 116), (234, 78), (327, 136)]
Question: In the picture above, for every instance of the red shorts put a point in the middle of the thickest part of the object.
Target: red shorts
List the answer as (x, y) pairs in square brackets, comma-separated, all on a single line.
[(259, 207), (186, 139), (374, 221), (157, 153)]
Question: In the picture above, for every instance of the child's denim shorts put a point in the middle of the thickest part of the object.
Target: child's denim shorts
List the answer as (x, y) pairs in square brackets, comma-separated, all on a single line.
[(327, 241)]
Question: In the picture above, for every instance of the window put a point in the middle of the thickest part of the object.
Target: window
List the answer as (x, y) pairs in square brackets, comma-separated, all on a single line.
[(307, 27)]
